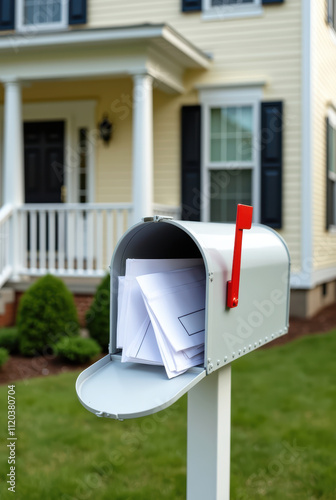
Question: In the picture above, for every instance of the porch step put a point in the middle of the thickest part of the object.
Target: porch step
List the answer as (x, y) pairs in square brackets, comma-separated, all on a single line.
[(7, 306)]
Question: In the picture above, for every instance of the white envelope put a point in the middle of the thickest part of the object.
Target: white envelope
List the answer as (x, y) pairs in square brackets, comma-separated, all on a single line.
[(175, 302), (133, 312)]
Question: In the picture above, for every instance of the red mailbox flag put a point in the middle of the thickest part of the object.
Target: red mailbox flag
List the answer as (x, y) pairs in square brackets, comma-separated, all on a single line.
[(243, 221)]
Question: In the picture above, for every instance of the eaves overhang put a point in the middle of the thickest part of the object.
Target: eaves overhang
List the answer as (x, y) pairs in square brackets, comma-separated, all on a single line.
[(102, 51)]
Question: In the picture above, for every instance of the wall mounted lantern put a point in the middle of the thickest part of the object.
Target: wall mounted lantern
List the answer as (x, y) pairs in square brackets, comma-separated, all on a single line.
[(105, 129)]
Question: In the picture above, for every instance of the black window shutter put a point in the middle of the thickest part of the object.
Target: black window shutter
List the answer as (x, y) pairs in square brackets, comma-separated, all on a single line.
[(191, 5), (7, 14), (270, 2), (77, 11), (329, 218), (191, 162), (271, 164)]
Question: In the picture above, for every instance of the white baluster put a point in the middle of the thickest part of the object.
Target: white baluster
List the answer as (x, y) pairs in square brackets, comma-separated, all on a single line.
[(61, 241), (99, 240), (42, 238), (109, 235), (71, 234), (80, 240), (23, 239), (90, 241), (52, 239), (33, 235)]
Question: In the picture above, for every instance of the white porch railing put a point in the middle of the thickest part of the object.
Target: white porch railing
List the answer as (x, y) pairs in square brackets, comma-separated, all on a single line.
[(6, 224), (70, 239), (64, 239)]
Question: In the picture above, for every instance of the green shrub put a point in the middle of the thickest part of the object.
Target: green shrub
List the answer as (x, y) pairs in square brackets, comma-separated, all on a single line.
[(46, 313), (4, 356), (77, 349), (9, 339), (98, 316)]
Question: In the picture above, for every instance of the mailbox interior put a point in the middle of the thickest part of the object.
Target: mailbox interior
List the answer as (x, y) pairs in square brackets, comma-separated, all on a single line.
[(150, 240)]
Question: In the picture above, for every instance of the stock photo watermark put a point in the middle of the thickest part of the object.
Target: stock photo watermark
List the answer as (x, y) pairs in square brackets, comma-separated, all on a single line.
[(11, 439)]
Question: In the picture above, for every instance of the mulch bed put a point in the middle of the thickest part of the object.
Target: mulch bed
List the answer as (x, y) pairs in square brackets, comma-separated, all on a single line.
[(322, 322), (21, 368)]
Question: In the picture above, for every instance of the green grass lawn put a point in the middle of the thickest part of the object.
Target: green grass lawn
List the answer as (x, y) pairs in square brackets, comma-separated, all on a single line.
[(283, 435)]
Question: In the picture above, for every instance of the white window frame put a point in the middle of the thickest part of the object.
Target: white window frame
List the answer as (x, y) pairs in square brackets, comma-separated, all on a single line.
[(33, 28), (212, 12), (220, 98), (332, 175)]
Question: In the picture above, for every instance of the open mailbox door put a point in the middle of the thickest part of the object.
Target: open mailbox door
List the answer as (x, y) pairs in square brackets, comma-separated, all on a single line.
[(119, 390)]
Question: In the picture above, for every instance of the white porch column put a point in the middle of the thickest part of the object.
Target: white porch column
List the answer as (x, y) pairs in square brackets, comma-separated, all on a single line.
[(13, 145), (142, 147)]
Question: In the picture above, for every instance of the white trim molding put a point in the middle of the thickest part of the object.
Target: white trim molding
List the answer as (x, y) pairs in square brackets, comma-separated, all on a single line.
[(307, 145), (307, 280)]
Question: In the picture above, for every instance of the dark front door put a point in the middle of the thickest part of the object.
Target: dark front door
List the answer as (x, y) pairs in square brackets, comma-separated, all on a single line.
[(44, 161)]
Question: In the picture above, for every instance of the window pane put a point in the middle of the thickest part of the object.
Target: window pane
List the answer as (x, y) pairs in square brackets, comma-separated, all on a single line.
[(231, 120), (246, 148), (246, 119), (216, 150), (227, 189), (332, 157), (231, 150), (231, 134), (56, 11), (331, 149), (215, 121), (42, 11)]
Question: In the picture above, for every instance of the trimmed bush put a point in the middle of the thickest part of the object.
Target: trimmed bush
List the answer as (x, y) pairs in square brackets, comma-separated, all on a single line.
[(77, 349), (4, 356), (9, 339), (46, 313), (98, 316)]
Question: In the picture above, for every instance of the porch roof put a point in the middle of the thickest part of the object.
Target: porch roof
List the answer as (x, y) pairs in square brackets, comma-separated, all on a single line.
[(154, 49)]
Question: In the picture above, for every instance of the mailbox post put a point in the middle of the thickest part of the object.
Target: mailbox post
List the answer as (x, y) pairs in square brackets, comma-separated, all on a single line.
[(209, 437), (246, 306)]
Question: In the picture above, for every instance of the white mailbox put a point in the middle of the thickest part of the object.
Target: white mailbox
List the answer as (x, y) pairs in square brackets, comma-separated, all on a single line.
[(118, 390)]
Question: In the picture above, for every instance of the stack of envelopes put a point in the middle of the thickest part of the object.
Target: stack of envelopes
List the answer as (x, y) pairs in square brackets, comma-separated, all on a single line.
[(161, 313)]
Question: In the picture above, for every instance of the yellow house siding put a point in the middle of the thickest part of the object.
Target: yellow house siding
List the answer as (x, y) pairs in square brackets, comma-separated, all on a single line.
[(265, 48), (324, 92), (167, 146)]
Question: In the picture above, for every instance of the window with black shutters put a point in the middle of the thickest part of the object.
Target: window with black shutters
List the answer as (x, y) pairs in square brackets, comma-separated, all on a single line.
[(41, 15), (237, 158)]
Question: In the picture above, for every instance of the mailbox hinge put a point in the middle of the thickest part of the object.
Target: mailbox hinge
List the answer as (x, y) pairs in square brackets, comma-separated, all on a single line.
[(157, 218)]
